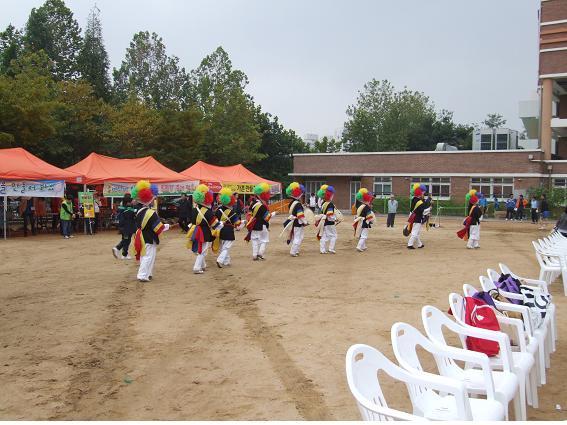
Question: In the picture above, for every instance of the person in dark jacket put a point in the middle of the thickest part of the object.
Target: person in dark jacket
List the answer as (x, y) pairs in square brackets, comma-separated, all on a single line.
[(545, 213), (127, 226), (230, 220), (184, 212)]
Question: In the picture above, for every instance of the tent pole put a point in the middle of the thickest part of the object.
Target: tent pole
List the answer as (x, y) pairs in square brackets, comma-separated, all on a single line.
[(84, 220), (5, 214)]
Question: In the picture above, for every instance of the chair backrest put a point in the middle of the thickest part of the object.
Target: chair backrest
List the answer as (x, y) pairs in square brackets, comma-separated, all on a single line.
[(487, 283), (469, 290), (457, 305), (493, 275), (538, 255), (362, 366), (405, 341), (433, 322), (506, 270)]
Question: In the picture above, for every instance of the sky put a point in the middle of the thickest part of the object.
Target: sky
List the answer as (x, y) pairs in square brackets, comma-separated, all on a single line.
[(307, 59)]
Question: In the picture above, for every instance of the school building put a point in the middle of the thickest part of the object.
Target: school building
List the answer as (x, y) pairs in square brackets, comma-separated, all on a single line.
[(448, 174)]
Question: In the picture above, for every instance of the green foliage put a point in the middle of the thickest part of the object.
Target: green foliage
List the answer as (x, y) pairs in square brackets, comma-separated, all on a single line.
[(53, 29), (494, 121), (11, 47), (93, 60), (556, 196), (327, 145), (150, 75), (384, 119), (217, 90), (277, 147)]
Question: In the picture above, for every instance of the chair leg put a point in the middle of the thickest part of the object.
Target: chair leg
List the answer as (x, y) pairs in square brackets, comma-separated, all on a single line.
[(533, 387), (518, 406), (523, 393)]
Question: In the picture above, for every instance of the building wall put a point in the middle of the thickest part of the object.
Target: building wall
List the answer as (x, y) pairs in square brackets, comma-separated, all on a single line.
[(553, 10), (484, 162)]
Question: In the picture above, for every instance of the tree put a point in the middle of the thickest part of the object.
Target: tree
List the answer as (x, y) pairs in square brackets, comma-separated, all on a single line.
[(93, 60), (277, 147), (217, 90), (135, 127), (149, 74), (82, 124), (11, 47), (494, 121), (384, 119), (27, 103), (53, 29), (327, 145), (180, 138)]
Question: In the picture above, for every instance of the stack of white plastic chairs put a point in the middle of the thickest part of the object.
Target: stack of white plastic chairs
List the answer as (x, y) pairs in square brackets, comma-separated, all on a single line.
[(551, 254), (483, 388)]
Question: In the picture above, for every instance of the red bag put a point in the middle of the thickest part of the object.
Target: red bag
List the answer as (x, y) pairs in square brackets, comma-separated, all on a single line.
[(481, 315)]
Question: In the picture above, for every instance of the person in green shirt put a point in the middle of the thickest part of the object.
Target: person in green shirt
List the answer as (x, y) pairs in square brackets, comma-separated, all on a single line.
[(66, 216)]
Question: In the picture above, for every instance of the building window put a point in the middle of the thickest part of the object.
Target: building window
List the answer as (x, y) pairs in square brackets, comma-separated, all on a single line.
[(354, 188), (313, 186), (560, 183), (501, 141), (502, 187), (439, 187), (382, 186), (486, 142)]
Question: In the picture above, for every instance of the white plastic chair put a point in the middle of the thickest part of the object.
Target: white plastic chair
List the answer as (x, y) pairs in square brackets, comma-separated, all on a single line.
[(434, 321), (540, 334), (551, 265), (432, 396), (362, 366), (536, 284), (406, 339), (523, 360)]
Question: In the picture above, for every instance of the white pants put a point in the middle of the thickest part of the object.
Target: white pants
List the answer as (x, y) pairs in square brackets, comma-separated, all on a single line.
[(329, 235), (298, 234), (362, 240), (259, 239), (415, 231), (147, 262), (200, 263), (474, 236), (224, 256)]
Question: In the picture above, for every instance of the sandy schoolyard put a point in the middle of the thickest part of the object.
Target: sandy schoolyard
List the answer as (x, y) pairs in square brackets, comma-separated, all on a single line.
[(82, 339)]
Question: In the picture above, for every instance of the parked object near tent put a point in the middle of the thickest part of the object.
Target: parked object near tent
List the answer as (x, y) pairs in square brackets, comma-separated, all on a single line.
[(24, 174), (239, 178)]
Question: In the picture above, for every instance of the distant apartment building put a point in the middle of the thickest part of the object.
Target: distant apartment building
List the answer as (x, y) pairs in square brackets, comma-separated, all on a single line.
[(310, 138)]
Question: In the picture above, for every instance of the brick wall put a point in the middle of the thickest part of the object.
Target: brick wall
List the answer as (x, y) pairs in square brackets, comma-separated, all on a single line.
[(426, 163), (553, 62), (553, 10)]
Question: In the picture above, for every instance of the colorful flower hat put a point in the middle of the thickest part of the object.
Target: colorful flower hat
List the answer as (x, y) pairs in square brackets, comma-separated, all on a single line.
[(418, 189), (364, 196), (145, 192), (471, 196), (295, 190), (226, 197), (262, 190), (326, 192), (203, 195)]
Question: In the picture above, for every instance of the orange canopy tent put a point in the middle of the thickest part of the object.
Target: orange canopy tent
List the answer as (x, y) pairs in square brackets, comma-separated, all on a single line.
[(24, 174), (99, 169), (19, 164), (238, 177)]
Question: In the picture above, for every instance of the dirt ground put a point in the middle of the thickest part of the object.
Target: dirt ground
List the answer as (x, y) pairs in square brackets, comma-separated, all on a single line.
[(82, 339)]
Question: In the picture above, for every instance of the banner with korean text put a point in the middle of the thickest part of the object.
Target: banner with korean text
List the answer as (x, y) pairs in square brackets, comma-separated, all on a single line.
[(30, 188), (117, 190)]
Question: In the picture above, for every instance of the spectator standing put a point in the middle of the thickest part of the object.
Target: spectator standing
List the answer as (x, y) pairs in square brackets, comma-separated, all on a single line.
[(96, 212), (496, 203), (544, 212), (482, 202), (510, 205), (27, 211), (534, 210), (66, 216), (184, 211), (55, 208), (238, 208), (520, 208), (561, 225), (313, 202), (392, 210)]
